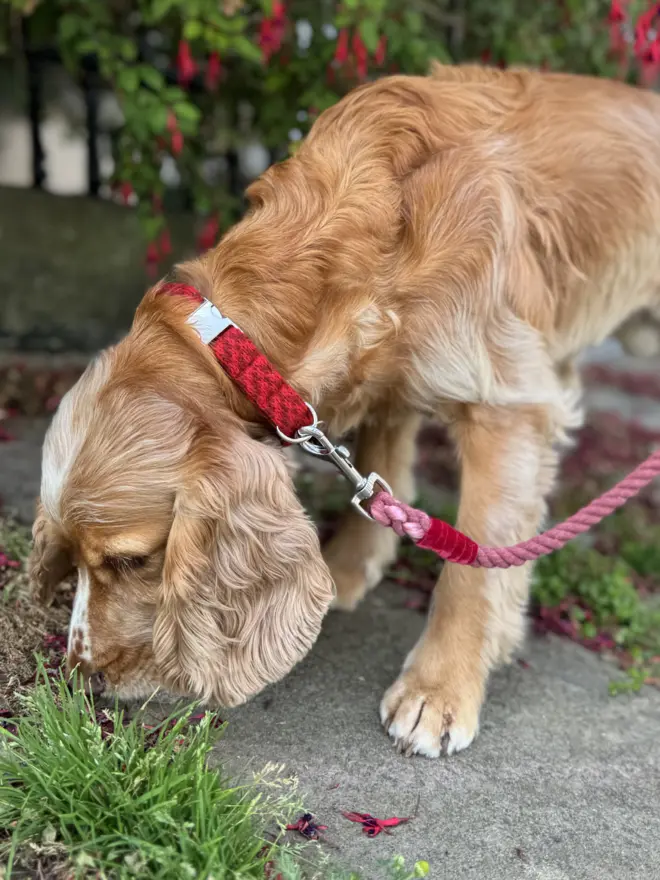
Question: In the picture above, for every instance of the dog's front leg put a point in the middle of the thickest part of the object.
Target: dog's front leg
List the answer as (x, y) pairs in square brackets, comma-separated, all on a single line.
[(361, 550), (477, 616)]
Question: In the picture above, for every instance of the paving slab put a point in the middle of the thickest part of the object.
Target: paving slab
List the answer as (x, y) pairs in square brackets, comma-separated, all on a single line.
[(563, 782)]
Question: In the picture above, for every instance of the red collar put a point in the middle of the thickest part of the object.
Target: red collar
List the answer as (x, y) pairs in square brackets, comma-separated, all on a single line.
[(294, 420), (239, 357)]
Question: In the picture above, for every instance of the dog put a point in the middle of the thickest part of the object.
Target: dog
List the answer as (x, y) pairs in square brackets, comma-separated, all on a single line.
[(439, 247)]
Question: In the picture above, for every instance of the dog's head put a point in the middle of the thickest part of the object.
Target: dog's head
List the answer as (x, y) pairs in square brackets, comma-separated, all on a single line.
[(197, 567)]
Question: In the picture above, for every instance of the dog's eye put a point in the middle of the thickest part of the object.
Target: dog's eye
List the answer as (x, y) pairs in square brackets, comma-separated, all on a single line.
[(123, 564)]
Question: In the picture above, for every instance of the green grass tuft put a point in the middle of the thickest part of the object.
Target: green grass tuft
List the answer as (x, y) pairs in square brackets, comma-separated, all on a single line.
[(116, 808), (116, 801)]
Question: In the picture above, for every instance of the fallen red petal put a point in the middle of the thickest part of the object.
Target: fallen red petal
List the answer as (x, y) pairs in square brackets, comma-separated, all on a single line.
[(371, 826), (393, 822), (307, 827)]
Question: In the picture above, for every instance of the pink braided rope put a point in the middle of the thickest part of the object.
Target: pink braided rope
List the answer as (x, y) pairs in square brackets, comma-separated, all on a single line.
[(407, 521)]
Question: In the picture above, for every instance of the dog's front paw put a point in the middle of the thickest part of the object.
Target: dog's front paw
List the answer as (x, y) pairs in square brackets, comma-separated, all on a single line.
[(431, 720)]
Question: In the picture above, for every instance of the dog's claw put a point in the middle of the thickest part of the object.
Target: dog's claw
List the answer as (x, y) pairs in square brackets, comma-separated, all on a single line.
[(444, 743)]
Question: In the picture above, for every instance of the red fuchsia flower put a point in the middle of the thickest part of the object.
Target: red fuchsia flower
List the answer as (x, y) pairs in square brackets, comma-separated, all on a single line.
[(617, 41), (616, 14), (207, 237), (650, 73), (644, 29), (213, 72), (271, 31), (152, 255), (341, 49), (617, 19), (157, 203), (381, 51), (125, 191), (176, 139), (185, 64), (177, 143), (152, 258), (361, 56), (647, 45), (165, 243)]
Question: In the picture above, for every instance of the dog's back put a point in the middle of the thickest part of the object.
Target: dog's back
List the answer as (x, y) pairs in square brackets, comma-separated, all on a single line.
[(573, 163), (585, 156)]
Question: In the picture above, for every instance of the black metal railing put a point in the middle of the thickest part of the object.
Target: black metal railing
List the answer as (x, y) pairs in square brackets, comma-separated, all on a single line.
[(37, 60)]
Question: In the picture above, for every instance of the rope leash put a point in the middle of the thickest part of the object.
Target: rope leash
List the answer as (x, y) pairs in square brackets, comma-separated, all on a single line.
[(289, 414), (454, 546)]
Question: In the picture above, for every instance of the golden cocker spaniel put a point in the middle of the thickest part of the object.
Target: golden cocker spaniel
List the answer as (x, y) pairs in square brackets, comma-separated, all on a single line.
[(439, 247)]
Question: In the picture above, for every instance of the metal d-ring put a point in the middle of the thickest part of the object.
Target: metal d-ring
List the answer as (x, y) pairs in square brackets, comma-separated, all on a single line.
[(295, 441)]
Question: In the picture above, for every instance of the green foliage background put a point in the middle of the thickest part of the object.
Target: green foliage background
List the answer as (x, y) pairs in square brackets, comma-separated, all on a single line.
[(288, 88)]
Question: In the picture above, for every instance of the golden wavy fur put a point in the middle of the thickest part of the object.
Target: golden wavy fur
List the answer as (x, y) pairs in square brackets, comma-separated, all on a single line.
[(440, 247)]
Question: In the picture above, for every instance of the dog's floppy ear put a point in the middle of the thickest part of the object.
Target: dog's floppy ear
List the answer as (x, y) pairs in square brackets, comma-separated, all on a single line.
[(244, 586), (50, 560)]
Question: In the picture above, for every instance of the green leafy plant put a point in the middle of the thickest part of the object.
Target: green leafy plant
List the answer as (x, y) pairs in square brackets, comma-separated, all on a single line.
[(600, 605), (632, 534), (15, 539), (641, 556), (184, 72), (183, 99), (602, 584)]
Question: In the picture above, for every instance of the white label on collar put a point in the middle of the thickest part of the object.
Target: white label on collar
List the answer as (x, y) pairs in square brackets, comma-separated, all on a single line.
[(209, 322)]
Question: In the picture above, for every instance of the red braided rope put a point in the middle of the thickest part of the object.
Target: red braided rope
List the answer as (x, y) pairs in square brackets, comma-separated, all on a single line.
[(454, 546)]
